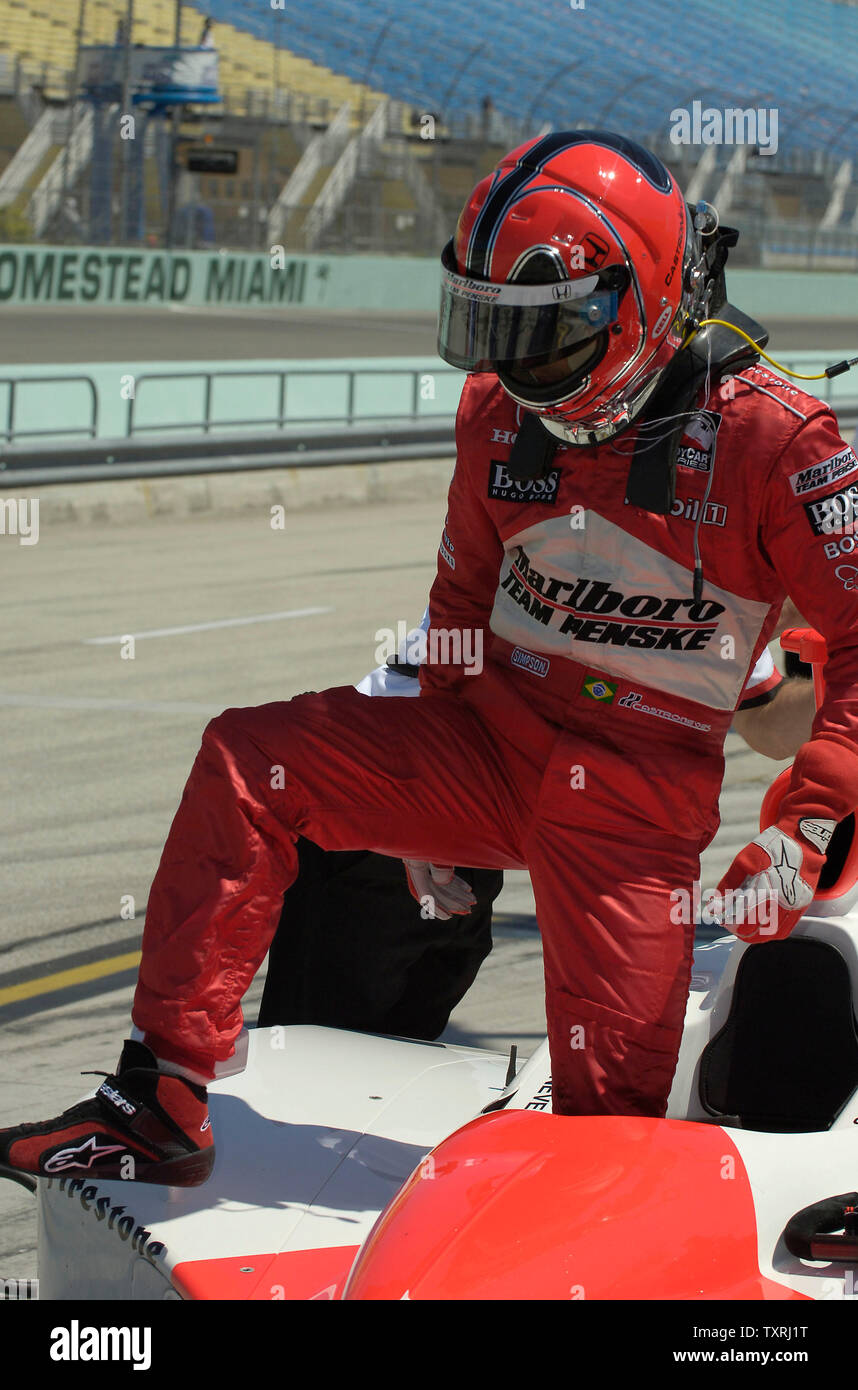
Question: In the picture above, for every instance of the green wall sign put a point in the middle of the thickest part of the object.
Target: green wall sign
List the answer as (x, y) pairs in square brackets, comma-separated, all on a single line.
[(87, 275)]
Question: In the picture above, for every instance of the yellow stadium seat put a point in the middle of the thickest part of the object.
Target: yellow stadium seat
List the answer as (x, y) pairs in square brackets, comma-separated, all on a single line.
[(44, 39)]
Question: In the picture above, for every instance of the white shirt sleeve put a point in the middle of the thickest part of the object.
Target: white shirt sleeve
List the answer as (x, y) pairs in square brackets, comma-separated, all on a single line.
[(383, 681), (761, 672)]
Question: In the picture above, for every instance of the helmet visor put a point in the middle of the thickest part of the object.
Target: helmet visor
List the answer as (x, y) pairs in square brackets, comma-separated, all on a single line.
[(483, 324)]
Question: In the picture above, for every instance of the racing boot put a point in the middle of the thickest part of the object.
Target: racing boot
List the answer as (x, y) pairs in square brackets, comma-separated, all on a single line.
[(142, 1124)]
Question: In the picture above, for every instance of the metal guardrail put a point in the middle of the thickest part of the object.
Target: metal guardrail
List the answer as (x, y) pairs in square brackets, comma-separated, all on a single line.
[(280, 419), (281, 375), (109, 459), (310, 442), (392, 441), (11, 433)]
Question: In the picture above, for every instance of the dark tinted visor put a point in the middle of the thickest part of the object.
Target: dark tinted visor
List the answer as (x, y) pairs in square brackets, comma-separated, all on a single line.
[(483, 324)]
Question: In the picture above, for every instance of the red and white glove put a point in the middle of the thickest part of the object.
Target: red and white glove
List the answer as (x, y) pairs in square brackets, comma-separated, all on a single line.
[(439, 891), (776, 874), (779, 871)]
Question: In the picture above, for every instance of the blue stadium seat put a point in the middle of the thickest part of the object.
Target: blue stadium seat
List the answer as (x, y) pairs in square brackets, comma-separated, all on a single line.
[(629, 64)]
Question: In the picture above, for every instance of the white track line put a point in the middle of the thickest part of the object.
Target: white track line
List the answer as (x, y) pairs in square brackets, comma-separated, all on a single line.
[(207, 627)]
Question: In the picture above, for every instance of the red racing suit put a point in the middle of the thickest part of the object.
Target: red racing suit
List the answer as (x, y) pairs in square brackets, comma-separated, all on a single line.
[(574, 703)]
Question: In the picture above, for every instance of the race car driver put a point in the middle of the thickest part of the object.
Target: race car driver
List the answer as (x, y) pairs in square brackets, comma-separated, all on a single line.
[(633, 498)]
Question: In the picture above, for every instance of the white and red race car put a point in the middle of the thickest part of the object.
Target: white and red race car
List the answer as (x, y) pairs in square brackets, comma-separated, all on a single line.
[(359, 1167)]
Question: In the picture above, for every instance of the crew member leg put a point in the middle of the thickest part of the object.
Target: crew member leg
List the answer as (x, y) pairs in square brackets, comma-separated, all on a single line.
[(354, 950)]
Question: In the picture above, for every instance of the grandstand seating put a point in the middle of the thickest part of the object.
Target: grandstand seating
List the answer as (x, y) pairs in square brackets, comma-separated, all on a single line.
[(613, 63), (542, 63), (42, 39), (617, 64), (13, 129)]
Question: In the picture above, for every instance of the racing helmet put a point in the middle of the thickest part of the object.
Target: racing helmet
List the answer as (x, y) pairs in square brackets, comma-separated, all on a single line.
[(578, 249)]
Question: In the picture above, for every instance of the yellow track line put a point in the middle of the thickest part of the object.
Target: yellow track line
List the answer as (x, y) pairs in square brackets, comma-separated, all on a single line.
[(49, 984)]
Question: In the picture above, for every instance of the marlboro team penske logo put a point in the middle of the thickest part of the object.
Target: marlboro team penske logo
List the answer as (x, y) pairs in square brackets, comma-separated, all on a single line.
[(593, 610), (823, 474), (605, 598)]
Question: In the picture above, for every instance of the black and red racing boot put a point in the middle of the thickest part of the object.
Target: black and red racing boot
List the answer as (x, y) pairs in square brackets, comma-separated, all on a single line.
[(142, 1125)]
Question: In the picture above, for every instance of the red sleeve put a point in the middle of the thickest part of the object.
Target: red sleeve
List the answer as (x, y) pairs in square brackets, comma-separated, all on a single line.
[(469, 561), (808, 534)]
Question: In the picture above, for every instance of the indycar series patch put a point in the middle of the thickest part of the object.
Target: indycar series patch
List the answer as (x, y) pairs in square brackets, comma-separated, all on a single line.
[(698, 441)]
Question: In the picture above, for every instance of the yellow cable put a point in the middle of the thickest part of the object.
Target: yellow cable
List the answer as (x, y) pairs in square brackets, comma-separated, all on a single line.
[(799, 376)]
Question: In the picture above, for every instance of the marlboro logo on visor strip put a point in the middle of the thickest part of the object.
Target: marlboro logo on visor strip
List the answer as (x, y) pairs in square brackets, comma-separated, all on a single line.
[(486, 292)]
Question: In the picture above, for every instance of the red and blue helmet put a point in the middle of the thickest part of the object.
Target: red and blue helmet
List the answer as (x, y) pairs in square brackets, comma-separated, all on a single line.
[(578, 239)]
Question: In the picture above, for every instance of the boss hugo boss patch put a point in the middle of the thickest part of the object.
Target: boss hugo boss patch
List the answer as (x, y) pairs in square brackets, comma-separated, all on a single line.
[(504, 488)]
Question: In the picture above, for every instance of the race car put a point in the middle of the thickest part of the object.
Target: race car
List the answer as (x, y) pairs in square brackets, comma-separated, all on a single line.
[(357, 1167)]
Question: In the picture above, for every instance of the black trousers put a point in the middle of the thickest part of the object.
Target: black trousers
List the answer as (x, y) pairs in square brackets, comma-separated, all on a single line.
[(352, 950)]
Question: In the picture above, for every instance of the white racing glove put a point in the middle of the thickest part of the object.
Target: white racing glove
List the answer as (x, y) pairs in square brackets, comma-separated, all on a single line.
[(439, 891)]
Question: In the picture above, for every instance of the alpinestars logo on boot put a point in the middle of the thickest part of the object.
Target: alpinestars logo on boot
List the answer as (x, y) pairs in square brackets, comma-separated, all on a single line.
[(82, 1156), (504, 488), (117, 1099)]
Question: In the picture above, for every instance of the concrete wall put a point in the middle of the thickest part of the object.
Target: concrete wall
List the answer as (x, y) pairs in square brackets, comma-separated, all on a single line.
[(794, 294), (106, 276), (102, 276)]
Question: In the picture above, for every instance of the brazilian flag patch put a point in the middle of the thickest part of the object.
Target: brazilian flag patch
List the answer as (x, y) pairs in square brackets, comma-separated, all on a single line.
[(596, 689)]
